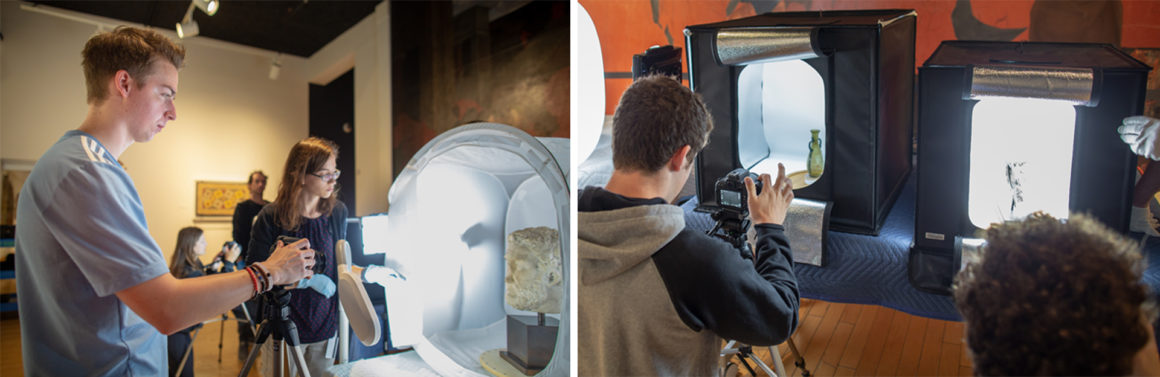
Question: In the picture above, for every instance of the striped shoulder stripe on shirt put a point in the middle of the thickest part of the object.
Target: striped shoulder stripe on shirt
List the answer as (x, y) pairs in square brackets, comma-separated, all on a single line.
[(93, 149)]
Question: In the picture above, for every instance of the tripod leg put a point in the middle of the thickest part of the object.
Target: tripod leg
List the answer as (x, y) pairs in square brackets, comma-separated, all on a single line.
[(249, 320), (221, 338), (775, 352), (763, 366), (279, 359), (263, 334), (742, 357), (299, 360), (798, 360), (188, 351)]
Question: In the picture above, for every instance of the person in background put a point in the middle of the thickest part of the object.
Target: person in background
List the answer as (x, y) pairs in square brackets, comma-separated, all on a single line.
[(244, 214), (1142, 134), (95, 293), (186, 263), (1053, 298), (307, 207)]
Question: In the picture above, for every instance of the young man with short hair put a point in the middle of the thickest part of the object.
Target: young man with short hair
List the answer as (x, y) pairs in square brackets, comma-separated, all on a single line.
[(95, 291), (656, 297)]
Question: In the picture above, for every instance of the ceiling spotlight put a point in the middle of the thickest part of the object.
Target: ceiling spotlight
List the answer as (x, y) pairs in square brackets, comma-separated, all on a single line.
[(188, 28), (210, 7)]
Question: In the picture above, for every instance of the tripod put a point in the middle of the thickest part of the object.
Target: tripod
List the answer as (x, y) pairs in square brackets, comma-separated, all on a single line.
[(221, 337), (734, 229), (276, 322)]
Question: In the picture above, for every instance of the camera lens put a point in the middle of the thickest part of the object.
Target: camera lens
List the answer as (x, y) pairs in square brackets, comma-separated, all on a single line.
[(319, 262)]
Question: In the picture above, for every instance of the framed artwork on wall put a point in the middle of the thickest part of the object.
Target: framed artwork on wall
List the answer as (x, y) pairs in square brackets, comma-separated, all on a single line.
[(219, 198)]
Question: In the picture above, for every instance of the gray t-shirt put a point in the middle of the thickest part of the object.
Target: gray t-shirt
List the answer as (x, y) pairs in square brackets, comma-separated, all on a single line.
[(81, 237)]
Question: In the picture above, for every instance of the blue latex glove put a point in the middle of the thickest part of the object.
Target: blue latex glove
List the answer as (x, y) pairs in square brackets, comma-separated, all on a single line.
[(320, 283)]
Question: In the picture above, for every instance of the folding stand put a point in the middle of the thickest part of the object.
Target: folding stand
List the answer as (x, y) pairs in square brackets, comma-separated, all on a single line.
[(744, 352)]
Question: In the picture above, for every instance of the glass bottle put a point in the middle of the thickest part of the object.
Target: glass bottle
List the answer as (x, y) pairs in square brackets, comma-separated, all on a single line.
[(815, 163)]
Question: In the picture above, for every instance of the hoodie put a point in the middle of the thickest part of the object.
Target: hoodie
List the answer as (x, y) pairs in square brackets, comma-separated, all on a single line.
[(657, 298)]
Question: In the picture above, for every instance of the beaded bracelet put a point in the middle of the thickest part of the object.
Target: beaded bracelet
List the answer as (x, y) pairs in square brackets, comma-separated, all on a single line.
[(254, 280), (265, 275), (262, 281)]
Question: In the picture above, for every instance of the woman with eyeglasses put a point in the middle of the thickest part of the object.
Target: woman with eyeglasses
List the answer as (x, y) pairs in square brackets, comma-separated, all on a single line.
[(307, 206)]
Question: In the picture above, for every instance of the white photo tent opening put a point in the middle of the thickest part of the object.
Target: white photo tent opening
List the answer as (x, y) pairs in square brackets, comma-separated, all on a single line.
[(452, 207)]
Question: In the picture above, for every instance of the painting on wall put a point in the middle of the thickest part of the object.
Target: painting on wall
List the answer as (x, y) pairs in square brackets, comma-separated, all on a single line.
[(219, 198)]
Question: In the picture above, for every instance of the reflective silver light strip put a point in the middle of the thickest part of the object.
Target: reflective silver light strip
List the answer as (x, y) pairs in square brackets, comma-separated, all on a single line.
[(1066, 84), (743, 46)]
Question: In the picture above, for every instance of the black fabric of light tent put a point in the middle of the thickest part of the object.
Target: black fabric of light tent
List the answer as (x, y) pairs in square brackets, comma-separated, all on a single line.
[(1103, 83), (866, 61)]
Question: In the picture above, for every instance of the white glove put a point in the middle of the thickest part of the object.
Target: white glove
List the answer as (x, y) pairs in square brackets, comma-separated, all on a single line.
[(1142, 134), (380, 274)]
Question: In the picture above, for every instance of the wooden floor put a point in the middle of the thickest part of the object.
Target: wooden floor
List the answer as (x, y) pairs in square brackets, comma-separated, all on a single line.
[(835, 339), (205, 350), (868, 340)]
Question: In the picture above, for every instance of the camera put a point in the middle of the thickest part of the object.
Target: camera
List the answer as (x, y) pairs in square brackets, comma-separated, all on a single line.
[(319, 257), (731, 193), (732, 214)]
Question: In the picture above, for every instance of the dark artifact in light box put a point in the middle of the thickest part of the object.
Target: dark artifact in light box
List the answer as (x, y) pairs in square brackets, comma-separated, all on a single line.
[(770, 79), (1006, 129)]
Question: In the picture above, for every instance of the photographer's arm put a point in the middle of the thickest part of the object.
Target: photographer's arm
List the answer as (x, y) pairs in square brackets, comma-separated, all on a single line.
[(712, 287), (170, 304)]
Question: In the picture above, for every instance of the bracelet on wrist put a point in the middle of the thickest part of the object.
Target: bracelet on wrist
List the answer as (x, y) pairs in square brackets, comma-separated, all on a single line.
[(254, 281)]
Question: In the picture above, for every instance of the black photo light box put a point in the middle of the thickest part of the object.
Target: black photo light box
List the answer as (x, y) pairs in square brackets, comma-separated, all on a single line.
[(770, 79), (1010, 128)]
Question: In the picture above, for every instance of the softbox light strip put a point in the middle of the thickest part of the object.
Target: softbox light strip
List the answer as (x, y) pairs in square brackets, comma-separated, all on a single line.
[(742, 46), (1072, 85)]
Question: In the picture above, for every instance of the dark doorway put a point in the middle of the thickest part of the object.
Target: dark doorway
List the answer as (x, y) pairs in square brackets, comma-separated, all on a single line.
[(332, 117)]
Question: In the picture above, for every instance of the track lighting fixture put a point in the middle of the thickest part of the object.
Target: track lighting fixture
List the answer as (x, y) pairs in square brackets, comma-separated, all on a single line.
[(188, 27)]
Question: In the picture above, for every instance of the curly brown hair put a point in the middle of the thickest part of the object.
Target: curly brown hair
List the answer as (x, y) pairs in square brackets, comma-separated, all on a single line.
[(657, 116), (1054, 298), (128, 48)]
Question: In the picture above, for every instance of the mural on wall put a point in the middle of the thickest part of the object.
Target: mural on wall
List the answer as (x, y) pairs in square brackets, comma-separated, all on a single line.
[(630, 27), (452, 66), (1151, 57)]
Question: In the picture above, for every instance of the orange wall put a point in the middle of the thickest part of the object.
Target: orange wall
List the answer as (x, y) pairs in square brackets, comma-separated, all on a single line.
[(627, 27)]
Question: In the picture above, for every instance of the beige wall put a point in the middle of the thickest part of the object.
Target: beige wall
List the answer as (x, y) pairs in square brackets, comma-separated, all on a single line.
[(231, 118), (366, 47)]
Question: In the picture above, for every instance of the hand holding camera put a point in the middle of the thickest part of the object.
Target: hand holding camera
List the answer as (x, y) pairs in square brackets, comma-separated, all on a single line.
[(290, 262), (769, 206), (230, 251)]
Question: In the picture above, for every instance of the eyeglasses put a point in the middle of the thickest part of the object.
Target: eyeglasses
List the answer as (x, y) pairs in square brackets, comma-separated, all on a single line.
[(329, 176)]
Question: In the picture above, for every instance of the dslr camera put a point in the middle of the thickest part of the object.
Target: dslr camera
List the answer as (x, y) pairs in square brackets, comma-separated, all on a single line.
[(319, 257), (731, 193), (732, 214)]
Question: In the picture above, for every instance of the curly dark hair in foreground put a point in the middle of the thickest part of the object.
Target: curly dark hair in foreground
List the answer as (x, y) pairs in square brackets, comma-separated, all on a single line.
[(1054, 298)]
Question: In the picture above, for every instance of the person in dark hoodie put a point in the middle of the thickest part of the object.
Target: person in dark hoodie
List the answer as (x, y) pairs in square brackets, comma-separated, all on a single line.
[(656, 298)]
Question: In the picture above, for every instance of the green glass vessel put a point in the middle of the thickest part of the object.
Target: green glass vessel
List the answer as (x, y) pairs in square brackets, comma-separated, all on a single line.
[(815, 163)]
